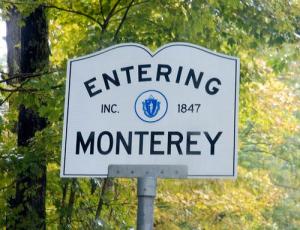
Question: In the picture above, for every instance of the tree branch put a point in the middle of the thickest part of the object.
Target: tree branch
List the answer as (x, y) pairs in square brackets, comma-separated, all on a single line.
[(123, 20), (57, 8), (101, 198), (109, 16), (9, 90), (24, 76), (6, 99), (28, 90), (101, 9), (76, 12), (285, 185), (157, 24), (71, 203), (268, 153), (125, 7), (20, 2)]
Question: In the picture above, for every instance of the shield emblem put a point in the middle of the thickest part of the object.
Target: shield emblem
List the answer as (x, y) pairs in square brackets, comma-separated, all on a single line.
[(151, 107)]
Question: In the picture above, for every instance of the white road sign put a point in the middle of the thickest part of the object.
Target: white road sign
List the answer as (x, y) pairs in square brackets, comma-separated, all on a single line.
[(126, 105)]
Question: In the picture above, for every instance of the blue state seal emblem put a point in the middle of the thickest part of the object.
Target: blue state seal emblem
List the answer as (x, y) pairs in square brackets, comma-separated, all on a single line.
[(151, 106)]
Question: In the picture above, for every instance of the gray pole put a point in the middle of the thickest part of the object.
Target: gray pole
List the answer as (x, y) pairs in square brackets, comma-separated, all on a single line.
[(146, 188), (146, 194)]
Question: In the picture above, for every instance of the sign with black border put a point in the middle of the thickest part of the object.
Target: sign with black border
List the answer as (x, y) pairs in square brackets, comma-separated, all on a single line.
[(127, 105)]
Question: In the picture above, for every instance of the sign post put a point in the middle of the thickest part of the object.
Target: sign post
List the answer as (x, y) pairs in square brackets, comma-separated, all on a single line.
[(146, 187), (146, 192), (130, 112)]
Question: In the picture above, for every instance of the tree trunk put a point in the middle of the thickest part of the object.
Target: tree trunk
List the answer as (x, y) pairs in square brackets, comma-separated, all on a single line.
[(28, 206), (13, 41), (70, 207)]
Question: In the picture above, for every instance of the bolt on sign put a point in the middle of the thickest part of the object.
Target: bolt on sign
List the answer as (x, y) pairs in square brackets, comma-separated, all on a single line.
[(127, 105)]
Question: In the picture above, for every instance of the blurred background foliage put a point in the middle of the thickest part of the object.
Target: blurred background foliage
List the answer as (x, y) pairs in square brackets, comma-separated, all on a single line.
[(264, 34)]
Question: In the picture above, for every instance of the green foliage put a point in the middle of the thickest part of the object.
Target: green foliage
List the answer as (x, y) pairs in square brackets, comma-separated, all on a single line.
[(260, 33), (218, 204)]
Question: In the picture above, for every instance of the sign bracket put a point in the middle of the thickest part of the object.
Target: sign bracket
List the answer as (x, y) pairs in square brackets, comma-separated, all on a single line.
[(146, 188), (162, 171)]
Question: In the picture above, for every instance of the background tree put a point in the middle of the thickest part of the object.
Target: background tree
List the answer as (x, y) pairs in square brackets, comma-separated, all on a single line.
[(27, 205), (261, 33)]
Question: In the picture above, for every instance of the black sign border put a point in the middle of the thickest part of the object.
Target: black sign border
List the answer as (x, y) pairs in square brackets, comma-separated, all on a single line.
[(236, 60)]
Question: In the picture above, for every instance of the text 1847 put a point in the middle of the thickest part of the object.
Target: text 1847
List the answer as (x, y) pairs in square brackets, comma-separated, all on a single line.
[(188, 108)]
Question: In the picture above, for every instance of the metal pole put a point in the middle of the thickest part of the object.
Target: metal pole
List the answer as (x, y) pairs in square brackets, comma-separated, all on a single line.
[(146, 187), (146, 194)]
